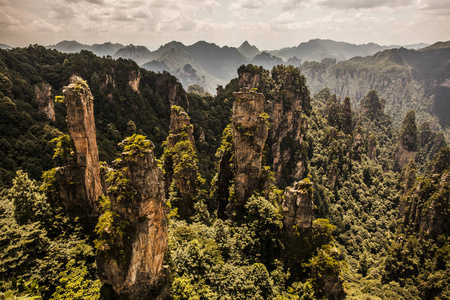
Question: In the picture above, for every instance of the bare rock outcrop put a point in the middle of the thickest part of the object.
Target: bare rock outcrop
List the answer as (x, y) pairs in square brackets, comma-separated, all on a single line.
[(298, 206), (179, 123), (171, 90), (291, 107), (79, 184), (249, 79), (250, 131), (132, 248), (425, 203), (44, 98), (134, 78)]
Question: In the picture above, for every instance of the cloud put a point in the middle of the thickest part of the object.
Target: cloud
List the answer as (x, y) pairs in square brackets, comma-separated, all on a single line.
[(284, 18), (211, 5), (99, 2), (248, 4), (141, 14), (7, 20), (212, 25), (292, 4), (332, 22), (434, 4), (44, 26), (363, 4)]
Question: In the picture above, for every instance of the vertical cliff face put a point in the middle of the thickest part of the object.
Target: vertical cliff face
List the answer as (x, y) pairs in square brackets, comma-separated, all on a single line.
[(179, 123), (408, 141), (79, 184), (44, 98), (133, 241), (250, 131), (249, 79), (180, 163), (134, 78), (298, 206), (425, 203), (171, 90), (290, 109)]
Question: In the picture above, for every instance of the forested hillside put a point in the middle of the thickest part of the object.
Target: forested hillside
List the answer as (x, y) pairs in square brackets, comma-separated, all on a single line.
[(408, 80), (264, 191)]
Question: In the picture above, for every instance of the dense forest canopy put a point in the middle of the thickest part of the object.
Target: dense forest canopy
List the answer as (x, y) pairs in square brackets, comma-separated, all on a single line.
[(372, 197)]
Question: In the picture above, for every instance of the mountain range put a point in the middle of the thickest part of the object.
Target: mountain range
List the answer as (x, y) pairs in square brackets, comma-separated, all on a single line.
[(209, 65)]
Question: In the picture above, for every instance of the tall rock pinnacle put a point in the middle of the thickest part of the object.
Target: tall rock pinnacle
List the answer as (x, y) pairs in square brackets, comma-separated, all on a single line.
[(250, 131), (80, 185), (180, 163), (132, 245)]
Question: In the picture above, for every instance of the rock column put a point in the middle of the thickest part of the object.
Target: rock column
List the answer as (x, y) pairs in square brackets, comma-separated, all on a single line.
[(79, 184), (250, 132)]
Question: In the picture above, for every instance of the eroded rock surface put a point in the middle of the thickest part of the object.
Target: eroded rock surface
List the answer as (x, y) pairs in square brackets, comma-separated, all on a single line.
[(298, 206), (132, 262), (291, 107), (44, 97), (250, 131), (134, 78), (79, 184), (171, 90), (181, 172), (249, 80)]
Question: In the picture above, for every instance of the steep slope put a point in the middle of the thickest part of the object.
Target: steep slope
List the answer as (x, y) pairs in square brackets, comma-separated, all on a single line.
[(181, 65), (219, 62), (407, 79), (249, 51), (317, 49), (69, 46), (104, 49), (140, 54)]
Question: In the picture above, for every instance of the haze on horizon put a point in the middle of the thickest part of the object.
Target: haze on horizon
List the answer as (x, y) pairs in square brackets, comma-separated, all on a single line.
[(268, 24)]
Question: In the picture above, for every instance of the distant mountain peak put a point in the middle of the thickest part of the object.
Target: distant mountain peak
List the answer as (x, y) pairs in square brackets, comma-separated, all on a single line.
[(248, 50)]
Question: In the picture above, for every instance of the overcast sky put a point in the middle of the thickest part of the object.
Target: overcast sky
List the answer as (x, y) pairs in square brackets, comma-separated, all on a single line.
[(268, 24)]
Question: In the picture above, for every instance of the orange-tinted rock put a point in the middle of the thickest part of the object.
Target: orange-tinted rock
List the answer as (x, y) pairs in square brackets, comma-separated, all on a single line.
[(134, 78), (133, 265), (79, 184)]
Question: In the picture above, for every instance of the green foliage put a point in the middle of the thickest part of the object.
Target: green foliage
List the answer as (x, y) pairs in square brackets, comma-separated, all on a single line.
[(22, 290), (59, 99), (76, 283), (64, 148), (135, 145), (110, 226), (36, 239), (408, 133)]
